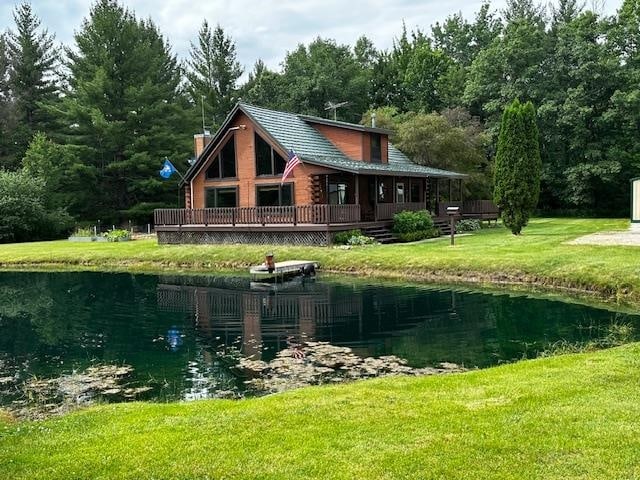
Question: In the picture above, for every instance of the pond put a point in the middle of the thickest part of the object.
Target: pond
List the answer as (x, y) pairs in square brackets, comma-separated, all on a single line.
[(180, 337)]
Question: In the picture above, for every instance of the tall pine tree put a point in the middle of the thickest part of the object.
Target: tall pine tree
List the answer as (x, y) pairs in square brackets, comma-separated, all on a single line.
[(32, 62), (6, 103), (213, 72), (125, 112), (517, 166)]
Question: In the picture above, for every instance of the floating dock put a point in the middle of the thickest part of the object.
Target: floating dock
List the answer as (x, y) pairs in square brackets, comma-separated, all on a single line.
[(283, 270)]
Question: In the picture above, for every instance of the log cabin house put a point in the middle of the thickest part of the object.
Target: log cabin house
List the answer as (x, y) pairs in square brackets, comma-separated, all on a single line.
[(351, 177)]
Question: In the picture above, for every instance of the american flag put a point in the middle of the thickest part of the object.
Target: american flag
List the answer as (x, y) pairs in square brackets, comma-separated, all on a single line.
[(291, 164)]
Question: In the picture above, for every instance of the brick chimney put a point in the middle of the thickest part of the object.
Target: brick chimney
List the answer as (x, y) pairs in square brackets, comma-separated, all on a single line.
[(201, 140)]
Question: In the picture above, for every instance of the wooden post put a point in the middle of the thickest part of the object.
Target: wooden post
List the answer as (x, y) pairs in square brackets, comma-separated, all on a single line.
[(326, 188), (295, 215), (375, 198), (452, 222), (357, 189)]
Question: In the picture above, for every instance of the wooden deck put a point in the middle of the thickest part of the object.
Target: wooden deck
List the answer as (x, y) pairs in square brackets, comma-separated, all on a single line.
[(290, 225)]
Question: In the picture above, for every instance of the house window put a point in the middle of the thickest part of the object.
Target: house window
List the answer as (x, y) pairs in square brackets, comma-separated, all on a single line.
[(224, 163), (268, 161), (274, 195), (376, 148), (221, 197), (414, 194), (337, 193), (400, 198)]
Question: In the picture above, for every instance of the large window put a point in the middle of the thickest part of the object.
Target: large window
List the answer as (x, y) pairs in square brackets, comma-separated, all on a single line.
[(224, 164), (337, 193), (274, 195), (221, 197), (376, 148), (268, 161), (414, 195)]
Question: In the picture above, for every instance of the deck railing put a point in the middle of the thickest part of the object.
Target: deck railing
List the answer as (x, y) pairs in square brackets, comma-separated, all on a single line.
[(289, 215), (471, 208), (386, 211)]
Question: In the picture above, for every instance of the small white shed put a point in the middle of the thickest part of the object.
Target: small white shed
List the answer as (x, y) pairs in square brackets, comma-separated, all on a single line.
[(635, 204)]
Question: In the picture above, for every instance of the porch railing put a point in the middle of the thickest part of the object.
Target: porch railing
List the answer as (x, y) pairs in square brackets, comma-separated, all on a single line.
[(471, 208), (290, 215), (386, 211)]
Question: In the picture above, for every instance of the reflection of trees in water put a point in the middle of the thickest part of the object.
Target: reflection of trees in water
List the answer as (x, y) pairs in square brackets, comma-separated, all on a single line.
[(57, 321), (53, 322)]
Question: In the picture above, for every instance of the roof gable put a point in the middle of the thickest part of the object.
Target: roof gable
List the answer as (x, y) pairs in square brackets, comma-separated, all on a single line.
[(290, 131)]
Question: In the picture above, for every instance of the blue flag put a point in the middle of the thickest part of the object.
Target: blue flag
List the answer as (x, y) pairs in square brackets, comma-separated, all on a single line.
[(167, 169)]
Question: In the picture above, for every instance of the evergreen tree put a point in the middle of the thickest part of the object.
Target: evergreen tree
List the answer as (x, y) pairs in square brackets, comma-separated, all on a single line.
[(6, 110), (517, 165), (32, 61), (213, 72), (125, 112)]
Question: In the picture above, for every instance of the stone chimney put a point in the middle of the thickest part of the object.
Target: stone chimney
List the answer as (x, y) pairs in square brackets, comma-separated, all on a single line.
[(201, 140)]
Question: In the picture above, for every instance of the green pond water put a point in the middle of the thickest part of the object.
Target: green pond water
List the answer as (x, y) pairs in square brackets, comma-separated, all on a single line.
[(176, 332)]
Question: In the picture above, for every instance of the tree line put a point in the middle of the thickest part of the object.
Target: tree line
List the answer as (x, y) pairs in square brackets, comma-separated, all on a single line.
[(92, 122)]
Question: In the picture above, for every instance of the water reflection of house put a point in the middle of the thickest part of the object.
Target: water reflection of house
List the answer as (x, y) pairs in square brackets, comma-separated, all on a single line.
[(370, 321), (230, 310)]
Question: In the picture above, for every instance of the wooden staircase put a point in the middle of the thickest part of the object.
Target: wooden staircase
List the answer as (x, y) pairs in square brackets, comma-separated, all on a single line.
[(380, 234), (443, 225)]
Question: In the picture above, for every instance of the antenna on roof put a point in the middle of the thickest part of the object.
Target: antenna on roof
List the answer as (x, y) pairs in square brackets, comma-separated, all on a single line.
[(205, 131), (334, 106)]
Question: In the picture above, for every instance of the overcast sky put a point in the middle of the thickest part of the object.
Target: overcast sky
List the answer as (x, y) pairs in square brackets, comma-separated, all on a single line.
[(267, 29)]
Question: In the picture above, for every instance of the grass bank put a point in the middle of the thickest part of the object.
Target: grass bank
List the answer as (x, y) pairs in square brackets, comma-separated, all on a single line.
[(541, 256), (573, 416)]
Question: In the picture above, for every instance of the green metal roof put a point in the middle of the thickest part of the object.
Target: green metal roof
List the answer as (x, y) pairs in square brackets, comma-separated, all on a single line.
[(294, 132)]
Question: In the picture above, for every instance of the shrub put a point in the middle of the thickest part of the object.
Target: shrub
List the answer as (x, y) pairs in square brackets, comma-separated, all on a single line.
[(352, 237), (414, 226), (83, 232), (468, 225), (117, 235), (361, 239), (24, 213)]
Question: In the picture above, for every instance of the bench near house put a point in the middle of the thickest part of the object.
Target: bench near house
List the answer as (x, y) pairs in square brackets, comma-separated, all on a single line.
[(351, 177)]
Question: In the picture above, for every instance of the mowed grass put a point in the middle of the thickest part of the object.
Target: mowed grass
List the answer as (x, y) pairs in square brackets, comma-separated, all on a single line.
[(540, 256), (567, 417)]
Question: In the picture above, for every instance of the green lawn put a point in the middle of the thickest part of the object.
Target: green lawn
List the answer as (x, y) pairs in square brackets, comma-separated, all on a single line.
[(539, 256), (566, 417)]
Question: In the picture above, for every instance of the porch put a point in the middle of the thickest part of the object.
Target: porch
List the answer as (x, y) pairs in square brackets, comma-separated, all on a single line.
[(294, 215)]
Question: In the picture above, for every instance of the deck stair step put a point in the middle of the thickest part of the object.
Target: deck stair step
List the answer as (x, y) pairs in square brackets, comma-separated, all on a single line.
[(443, 225), (381, 234)]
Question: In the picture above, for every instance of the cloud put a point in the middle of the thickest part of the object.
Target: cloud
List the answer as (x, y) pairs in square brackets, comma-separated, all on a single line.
[(266, 29)]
